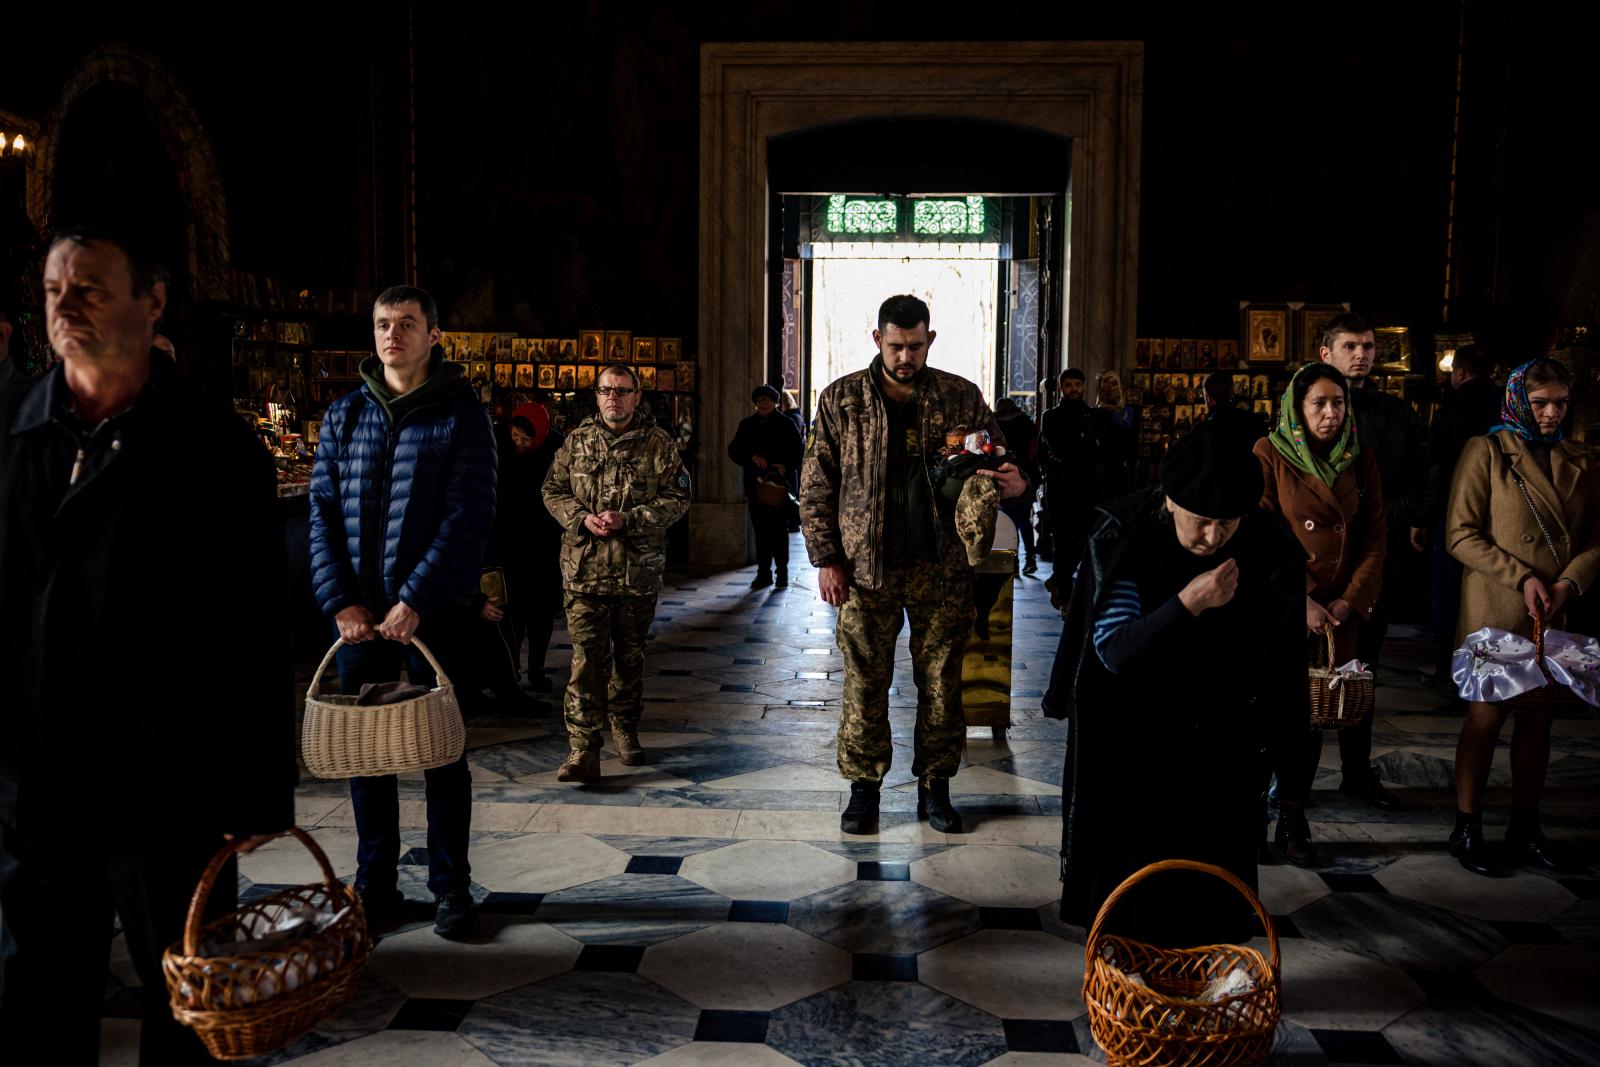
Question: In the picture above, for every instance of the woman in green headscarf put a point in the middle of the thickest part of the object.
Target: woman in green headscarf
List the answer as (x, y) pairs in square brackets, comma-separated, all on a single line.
[(1327, 488)]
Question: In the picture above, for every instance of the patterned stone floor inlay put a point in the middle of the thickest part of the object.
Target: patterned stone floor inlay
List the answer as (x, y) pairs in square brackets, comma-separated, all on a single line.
[(705, 910)]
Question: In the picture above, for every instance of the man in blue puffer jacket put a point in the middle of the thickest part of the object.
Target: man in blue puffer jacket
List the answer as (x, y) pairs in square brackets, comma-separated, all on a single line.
[(402, 501)]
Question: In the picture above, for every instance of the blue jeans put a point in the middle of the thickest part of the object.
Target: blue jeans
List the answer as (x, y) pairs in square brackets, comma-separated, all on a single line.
[(376, 800)]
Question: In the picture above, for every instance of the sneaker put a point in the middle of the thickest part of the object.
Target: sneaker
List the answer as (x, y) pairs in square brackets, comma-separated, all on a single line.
[(456, 916), (580, 767), (383, 907), (761, 580), (629, 751), (861, 816)]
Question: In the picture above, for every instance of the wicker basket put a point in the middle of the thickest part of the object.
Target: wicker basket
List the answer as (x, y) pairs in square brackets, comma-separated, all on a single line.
[(1550, 697), (241, 1006), (1161, 1022), (340, 739), (771, 492), (1337, 699)]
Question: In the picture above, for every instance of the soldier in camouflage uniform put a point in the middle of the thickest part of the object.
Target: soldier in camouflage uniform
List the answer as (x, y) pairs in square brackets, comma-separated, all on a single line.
[(885, 545), (614, 487)]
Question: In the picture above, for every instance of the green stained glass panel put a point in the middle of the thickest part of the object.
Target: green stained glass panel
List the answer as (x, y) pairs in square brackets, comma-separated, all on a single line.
[(939, 217), (861, 216)]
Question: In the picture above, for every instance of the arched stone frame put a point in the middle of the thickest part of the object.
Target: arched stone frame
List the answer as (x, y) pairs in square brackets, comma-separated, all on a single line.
[(1091, 92), (173, 116)]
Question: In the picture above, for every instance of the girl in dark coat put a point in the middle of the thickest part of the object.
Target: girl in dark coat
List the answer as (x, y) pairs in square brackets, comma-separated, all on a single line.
[(1172, 669)]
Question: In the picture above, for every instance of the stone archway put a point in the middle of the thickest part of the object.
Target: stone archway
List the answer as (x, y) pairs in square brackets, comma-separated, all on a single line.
[(1091, 92), (172, 114)]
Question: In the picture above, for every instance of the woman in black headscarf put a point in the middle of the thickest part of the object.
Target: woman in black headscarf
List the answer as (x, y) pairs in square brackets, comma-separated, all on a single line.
[(1180, 653)]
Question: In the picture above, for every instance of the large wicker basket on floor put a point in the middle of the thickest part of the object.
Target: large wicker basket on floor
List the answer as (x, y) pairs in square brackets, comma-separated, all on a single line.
[(241, 1006), (1337, 699), (1552, 696), (1161, 1022), (340, 739)]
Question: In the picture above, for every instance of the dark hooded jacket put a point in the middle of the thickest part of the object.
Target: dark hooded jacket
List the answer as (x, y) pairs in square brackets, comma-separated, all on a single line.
[(143, 618), (1165, 729)]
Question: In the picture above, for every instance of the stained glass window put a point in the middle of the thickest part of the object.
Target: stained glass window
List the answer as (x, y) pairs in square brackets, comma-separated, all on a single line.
[(936, 217), (847, 215)]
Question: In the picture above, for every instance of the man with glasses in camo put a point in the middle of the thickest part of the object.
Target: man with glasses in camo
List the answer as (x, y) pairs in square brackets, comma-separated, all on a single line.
[(615, 487)]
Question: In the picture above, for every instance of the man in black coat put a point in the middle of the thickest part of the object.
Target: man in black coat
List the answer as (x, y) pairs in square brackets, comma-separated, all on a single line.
[(1387, 426), (1468, 410), (767, 446), (143, 644), (1068, 452), (1022, 446)]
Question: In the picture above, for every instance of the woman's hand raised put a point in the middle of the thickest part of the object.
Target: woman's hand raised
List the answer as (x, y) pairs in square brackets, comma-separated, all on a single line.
[(1212, 589)]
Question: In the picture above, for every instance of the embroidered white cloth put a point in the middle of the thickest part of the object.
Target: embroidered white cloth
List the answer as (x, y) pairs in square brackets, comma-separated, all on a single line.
[(1493, 665)]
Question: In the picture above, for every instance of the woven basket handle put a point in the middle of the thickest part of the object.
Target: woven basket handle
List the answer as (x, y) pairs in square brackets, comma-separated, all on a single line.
[(1092, 942), (438, 672), (1327, 633), (202, 892)]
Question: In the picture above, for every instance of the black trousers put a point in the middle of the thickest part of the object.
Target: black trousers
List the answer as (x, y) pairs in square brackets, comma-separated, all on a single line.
[(59, 890), (376, 800), (1355, 742), (772, 537)]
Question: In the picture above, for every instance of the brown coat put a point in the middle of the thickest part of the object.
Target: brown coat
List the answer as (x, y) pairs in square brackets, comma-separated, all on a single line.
[(1489, 528), (1342, 529)]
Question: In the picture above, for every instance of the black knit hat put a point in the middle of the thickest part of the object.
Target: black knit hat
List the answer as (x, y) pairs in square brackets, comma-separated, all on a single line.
[(1212, 472), (767, 391)]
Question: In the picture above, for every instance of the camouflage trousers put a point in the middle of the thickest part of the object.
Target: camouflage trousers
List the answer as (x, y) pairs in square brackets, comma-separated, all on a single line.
[(940, 606), (608, 636)]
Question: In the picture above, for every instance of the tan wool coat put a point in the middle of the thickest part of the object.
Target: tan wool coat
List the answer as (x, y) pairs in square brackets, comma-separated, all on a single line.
[(1342, 529), (1490, 528)]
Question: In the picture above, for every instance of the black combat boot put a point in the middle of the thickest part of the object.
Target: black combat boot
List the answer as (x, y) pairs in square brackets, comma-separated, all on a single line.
[(861, 816), (1293, 836), (1468, 846), (1527, 845), (933, 804)]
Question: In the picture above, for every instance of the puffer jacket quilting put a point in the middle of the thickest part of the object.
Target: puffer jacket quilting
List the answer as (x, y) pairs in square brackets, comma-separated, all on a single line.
[(401, 513)]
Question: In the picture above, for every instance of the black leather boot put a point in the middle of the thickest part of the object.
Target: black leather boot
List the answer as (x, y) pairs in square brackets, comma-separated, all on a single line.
[(861, 815), (1293, 836), (1527, 845), (933, 804), (1469, 847)]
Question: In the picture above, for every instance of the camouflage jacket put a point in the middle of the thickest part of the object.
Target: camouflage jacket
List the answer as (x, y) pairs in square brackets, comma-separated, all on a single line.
[(842, 478), (637, 473)]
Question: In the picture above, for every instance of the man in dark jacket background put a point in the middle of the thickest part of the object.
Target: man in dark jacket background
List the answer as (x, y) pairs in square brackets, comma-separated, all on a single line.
[(767, 442), (1468, 410), (143, 642), (1387, 426), (1068, 454), (1022, 445), (402, 501)]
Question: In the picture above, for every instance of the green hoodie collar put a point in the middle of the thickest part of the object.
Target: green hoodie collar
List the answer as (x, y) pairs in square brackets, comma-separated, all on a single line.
[(442, 374)]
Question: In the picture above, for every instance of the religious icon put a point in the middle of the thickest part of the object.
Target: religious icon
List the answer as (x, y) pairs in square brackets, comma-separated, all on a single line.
[(644, 349), (592, 346), (1191, 355), (569, 350), (666, 379), (524, 375), (1264, 334), (686, 377), (618, 344), (647, 378), (504, 375), (547, 376), (1141, 352), (566, 378), (1158, 353), (1228, 354), (1207, 360), (552, 349), (1241, 385), (1258, 387), (480, 371), (669, 349), (519, 350), (586, 375)]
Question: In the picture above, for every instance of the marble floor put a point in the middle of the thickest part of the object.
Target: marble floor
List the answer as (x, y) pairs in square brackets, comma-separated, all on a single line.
[(705, 909)]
